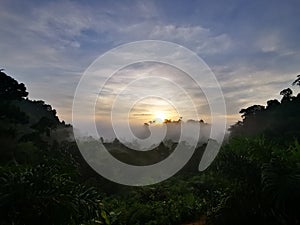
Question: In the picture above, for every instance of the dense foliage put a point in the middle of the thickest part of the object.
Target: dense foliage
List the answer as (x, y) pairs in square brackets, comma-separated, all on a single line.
[(255, 179), (38, 176), (278, 121)]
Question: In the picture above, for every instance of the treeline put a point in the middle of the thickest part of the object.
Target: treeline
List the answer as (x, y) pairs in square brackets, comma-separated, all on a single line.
[(40, 180), (278, 120), (255, 179)]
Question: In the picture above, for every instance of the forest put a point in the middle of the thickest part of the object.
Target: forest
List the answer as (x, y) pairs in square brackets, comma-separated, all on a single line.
[(255, 178)]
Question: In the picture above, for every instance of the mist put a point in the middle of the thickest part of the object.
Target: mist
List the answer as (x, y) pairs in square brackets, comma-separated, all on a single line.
[(160, 132)]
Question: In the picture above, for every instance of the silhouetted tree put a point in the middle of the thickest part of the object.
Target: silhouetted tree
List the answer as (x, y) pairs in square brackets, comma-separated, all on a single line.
[(272, 103), (287, 94), (279, 121), (44, 125), (252, 110), (38, 179), (297, 81), (10, 89)]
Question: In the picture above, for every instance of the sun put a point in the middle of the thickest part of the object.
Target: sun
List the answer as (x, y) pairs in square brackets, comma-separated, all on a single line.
[(160, 117)]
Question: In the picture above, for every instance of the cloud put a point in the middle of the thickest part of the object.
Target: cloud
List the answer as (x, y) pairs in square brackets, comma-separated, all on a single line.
[(200, 39), (253, 51), (243, 87), (147, 80)]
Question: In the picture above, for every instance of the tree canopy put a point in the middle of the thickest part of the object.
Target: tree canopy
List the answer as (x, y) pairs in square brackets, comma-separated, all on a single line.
[(10, 89), (279, 120)]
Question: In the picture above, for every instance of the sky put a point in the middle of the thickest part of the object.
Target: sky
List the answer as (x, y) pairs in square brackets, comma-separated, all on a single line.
[(252, 47)]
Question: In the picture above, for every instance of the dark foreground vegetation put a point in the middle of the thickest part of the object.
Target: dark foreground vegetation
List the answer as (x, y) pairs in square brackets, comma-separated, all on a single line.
[(44, 180)]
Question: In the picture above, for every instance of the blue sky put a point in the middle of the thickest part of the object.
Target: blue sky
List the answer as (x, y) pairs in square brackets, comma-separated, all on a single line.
[(252, 46)]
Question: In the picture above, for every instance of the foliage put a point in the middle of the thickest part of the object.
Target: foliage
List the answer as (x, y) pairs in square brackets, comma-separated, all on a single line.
[(279, 121), (263, 180), (178, 200), (43, 195), (39, 178), (10, 89), (297, 81), (255, 179)]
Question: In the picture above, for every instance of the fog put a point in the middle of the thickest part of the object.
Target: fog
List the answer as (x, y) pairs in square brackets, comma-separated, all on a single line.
[(150, 135)]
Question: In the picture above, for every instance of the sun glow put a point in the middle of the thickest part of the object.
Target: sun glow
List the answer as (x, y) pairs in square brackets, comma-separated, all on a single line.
[(160, 117)]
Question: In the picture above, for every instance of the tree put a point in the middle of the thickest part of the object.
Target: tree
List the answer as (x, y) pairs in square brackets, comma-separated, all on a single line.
[(286, 93), (39, 181), (10, 89), (44, 125), (11, 116), (272, 103), (262, 180), (297, 81), (252, 110)]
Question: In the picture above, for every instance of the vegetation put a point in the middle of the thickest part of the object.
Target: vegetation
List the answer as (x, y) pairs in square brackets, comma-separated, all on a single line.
[(39, 178), (277, 121), (44, 180)]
